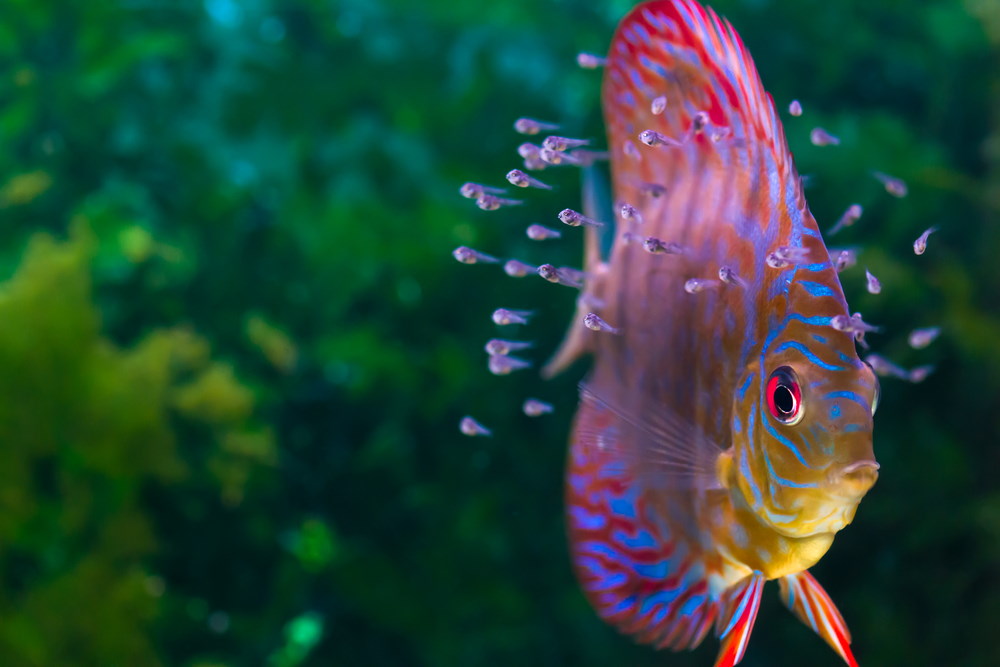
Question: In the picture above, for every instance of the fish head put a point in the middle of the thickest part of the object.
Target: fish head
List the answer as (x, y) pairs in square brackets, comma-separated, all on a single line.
[(804, 436)]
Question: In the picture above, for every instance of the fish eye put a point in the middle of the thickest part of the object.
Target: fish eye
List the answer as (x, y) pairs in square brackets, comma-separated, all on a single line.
[(784, 398)]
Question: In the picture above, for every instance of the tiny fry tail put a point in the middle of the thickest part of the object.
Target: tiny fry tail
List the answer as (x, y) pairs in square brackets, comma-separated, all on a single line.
[(809, 602), (741, 603)]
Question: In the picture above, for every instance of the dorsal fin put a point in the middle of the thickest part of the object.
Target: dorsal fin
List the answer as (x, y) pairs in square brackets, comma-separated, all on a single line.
[(680, 51)]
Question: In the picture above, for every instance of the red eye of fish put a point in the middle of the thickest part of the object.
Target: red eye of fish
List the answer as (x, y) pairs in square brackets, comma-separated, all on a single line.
[(784, 398)]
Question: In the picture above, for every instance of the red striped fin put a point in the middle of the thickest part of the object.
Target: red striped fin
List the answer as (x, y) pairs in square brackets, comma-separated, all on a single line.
[(741, 603), (638, 563), (680, 51), (806, 598)]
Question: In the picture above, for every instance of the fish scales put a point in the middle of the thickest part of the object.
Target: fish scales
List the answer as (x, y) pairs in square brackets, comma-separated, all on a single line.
[(686, 487)]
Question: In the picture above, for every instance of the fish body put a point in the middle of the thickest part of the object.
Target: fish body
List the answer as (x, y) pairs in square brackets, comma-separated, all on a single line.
[(724, 435)]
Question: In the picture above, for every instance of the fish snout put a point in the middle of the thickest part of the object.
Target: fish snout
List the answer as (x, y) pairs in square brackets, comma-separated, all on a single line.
[(855, 479)]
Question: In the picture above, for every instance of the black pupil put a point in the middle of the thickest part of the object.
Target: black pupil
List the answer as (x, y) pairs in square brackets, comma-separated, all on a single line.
[(783, 399)]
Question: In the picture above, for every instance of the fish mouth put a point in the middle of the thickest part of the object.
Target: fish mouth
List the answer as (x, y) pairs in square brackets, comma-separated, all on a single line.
[(855, 479)]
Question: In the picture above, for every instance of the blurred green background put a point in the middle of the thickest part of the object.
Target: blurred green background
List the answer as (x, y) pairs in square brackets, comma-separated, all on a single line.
[(234, 348)]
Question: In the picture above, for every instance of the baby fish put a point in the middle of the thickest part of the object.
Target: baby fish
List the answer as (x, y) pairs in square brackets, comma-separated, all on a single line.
[(469, 256), (531, 126), (894, 186), (658, 105), (886, 368), (536, 408), (921, 338), (851, 324), (629, 212), (795, 108), (728, 275), (522, 180), (786, 256), (590, 61), (561, 275), (919, 374), (529, 150), (850, 216), (503, 316), (489, 202), (593, 322), (558, 157), (920, 245), (518, 269), (775, 261), (562, 144), (820, 137), (859, 336), (470, 427), (499, 346), (874, 286), (843, 259), (654, 138), (476, 190), (656, 246), (535, 163), (501, 364), (695, 285), (542, 233), (699, 122), (574, 219)]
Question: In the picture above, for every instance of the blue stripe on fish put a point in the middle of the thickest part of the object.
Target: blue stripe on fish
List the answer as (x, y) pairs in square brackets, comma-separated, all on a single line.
[(643, 539), (849, 395), (585, 519), (808, 354), (791, 446), (816, 289)]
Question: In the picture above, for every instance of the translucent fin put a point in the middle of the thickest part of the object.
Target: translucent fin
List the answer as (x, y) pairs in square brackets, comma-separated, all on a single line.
[(740, 605), (809, 602), (670, 451)]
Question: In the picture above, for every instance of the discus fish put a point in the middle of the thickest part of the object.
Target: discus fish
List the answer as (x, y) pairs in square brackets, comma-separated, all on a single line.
[(724, 435)]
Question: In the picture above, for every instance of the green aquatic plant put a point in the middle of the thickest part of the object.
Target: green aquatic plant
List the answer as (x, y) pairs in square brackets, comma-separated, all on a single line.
[(86, 427)]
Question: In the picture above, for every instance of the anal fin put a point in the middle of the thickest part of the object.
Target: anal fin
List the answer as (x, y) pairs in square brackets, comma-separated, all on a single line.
[(809, 602), (740, 605)]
